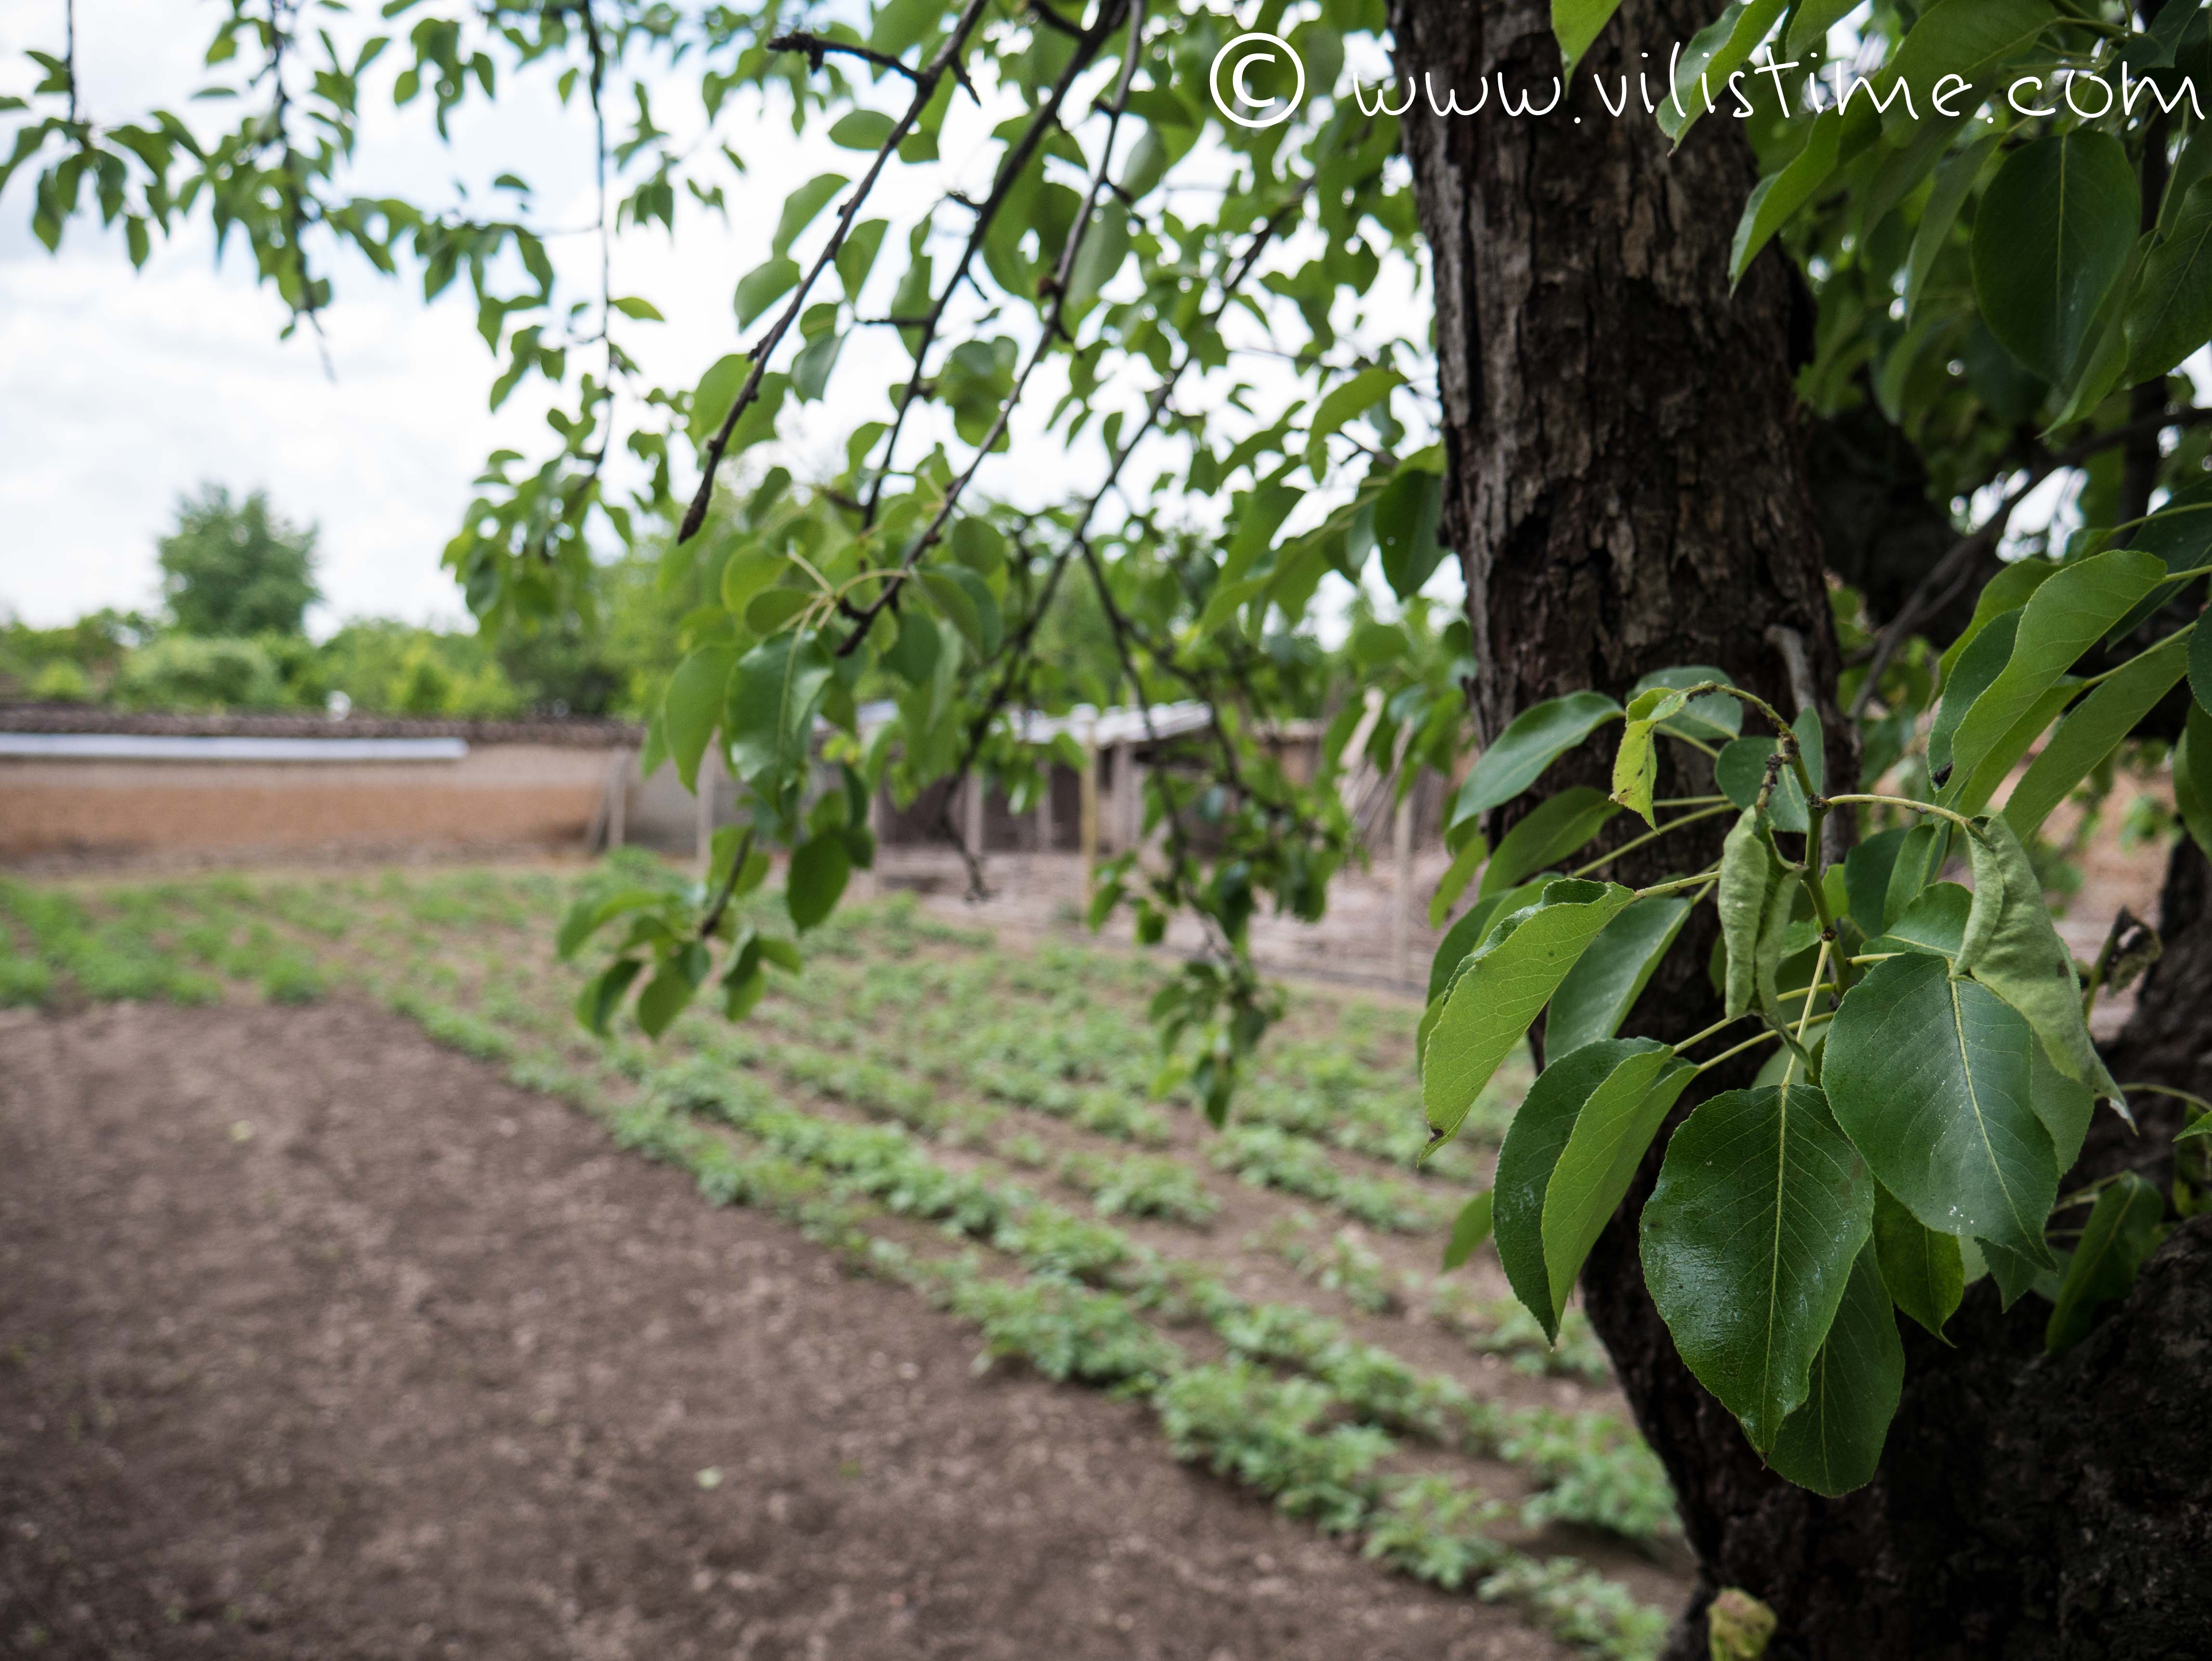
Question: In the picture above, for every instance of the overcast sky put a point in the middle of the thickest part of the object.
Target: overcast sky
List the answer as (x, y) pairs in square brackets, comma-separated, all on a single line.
[(121, 390)]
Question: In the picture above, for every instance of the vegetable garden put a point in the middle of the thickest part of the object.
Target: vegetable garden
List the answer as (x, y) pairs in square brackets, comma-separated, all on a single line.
[(989, 1128)]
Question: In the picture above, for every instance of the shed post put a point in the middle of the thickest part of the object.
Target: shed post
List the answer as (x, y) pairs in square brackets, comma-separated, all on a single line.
[(1089, 810)]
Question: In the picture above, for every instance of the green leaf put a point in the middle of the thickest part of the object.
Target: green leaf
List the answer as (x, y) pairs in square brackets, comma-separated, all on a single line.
[(2008, 590), (602, 994), (1474, 923), (1929, 1075), (2051, 235), (746, 574), (2170, 313), (1867, 870), (762, 286), (1635, 763), (692, 707), (1779, 195), (717, 389), (2121, 1230), (1407, 515), (2200, 667), (1923, 1269), (2091, 731), (968, 604), (1532, 742), (1749, 877), (643, 311), (1555, 828), (1576, 23), (1833, 1444), (1714, 718), (856, 256), (801, 206), (819, 868), (1504, 984), (1715, 53), (669, 989), (1601, 989), (2192, 777), (1749, 1240), (1973, 39), (1541, 1127), (1611, 1135), (1920, 860), (769, 716), (1105, 246), (1453, 882), (1469, 1230), (2064, 1106), (1347, 401), (2065, 617), (1936, 922), (2027, 966), (1955, 182), (862, 130)]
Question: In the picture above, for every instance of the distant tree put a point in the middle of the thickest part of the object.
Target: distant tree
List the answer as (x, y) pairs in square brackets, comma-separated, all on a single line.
[(237, 567)]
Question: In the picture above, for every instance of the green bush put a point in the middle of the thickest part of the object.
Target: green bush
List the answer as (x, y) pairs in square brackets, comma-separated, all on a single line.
[(184, 671)]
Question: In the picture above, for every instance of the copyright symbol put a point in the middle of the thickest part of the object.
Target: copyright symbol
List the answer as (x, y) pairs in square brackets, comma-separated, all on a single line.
[(1238, 57)]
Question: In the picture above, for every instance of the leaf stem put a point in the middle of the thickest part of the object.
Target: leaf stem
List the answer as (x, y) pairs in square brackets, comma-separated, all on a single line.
[(1771, 1032), (1687, 801), (1604, 859), (1959, 820), (1677, 885), (1699, 1038), (1820, 967), (2197, 1102)]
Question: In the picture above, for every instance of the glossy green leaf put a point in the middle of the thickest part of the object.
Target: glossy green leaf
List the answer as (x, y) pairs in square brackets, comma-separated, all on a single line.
[(1833, 1443), (1920, 859), (1556, 827), (1921, 1267), (1601, 989), (1454, 882), (2091, 731), (1867, 871), (1929, 1076), (1406, 516), (2011, 588), (2066, 616), (1955, 182), (1473, 924), (1715, 53), (762, 286), (820, 867), (2200, 666), (2027, 966), (1577, 23), (1965, 680), (1778, 196), (1500, 990), (692, 707), (1973, 39), (2121, 1230), (861, 130), (2192, 778), (1469, 1230), (2052, 234), (2169, 315), (801, 208), (773, 697), (1530, 1153), (1610, 1137), (2064, 1106), (1532, 742), (1749, 1238)]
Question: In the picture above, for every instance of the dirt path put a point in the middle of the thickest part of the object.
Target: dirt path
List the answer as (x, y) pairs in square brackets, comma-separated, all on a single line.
[(317, 1340)]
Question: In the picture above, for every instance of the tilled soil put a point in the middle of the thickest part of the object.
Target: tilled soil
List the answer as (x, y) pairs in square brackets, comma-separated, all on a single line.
[(318, 1340)]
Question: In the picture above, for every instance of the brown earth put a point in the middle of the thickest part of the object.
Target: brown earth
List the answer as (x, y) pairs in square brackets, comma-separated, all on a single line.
[(318, 1340)]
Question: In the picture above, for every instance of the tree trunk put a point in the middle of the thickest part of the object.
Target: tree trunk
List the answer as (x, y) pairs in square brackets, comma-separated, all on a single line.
[(1628, 492)]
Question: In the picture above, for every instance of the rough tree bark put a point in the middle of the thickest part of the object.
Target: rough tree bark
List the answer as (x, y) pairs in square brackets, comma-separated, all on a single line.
[(1628, 490)]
